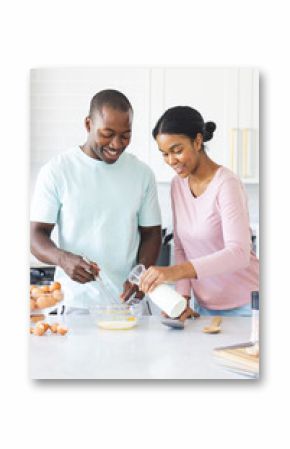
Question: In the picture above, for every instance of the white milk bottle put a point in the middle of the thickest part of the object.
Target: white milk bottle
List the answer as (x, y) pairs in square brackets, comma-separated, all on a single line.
[(163, 296)]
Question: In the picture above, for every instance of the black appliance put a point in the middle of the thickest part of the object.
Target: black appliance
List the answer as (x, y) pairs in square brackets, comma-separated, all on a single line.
[(41, 275)]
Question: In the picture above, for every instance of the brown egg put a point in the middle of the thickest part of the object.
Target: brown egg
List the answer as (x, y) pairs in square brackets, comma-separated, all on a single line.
[(62, 330), (33, 305), (54, 286), (32, 330), (31, 287), (57, 295), (35, 292), (45, 301), (45, 288)]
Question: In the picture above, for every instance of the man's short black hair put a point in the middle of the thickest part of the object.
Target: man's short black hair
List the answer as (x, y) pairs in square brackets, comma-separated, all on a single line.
[(112, 98)]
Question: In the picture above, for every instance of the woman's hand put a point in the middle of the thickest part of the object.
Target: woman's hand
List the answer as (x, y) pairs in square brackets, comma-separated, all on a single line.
[(155, 276), (187, 313)]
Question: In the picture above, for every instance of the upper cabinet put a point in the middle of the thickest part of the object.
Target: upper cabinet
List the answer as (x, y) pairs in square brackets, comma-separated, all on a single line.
[(227, 96), (243, 154)]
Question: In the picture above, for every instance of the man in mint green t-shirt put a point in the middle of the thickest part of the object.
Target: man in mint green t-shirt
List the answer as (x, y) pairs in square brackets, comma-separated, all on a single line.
[(103, 202)]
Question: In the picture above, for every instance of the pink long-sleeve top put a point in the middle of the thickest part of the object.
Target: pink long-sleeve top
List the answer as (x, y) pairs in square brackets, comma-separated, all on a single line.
[(212, 231)]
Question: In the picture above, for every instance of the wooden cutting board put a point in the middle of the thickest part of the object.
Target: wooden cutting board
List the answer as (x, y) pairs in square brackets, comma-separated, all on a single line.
[(239, 357)]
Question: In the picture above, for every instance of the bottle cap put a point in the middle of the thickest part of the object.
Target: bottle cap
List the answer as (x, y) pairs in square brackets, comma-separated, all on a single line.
[(255, 300)]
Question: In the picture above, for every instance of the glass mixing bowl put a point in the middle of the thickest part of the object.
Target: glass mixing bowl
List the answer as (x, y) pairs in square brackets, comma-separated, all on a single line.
[(45, 297), (116, 316)]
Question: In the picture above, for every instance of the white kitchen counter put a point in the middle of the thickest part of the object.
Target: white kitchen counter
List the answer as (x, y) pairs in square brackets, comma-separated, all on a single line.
[(149, 351)]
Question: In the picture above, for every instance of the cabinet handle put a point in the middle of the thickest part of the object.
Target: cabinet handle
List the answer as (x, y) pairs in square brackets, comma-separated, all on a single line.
[(233, 148), (245, 152)]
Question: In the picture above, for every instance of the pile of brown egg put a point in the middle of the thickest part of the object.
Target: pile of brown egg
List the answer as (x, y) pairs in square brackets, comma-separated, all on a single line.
[(43, 296)]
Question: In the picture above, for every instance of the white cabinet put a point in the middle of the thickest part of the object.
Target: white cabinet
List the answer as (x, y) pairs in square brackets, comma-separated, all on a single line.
[(227, 96), (244, 125)]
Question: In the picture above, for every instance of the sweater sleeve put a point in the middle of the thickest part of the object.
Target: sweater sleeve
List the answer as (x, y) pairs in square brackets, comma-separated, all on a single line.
[(184, 285), (232, 206)]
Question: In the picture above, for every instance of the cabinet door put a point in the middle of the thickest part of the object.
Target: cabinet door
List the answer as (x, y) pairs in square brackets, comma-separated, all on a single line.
[(206, 89), (244, 129)]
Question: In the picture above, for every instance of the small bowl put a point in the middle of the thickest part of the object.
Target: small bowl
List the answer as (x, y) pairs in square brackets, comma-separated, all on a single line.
[(116, 316), (45, 297)]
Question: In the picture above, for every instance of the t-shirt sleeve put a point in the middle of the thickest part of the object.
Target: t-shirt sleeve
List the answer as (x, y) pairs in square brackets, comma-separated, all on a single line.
[(232, 206), (45, 202), (149, 213)]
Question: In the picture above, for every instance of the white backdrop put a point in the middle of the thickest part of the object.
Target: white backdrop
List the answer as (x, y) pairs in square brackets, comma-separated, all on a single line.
[(171, 414)]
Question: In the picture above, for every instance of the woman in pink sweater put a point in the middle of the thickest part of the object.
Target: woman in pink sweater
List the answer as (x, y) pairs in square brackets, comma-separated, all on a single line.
[(212, 236)]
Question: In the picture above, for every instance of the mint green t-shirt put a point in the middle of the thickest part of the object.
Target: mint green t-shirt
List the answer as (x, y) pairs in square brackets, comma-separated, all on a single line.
[(97, 208)]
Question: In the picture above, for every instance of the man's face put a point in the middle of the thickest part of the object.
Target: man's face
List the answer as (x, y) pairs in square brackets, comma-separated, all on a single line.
[(109, 133)]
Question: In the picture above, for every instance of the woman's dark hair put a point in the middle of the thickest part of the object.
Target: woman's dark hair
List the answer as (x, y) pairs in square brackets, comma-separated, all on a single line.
[(184, 120)]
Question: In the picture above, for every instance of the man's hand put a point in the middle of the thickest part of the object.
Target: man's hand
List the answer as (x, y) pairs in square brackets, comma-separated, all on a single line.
[(78, 269), (128, 290)]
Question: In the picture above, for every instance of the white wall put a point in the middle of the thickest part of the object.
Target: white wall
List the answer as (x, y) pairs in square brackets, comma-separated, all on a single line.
[(60, 100)]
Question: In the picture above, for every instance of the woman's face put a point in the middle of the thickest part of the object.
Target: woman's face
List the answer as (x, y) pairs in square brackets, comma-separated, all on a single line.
[(180, 152)]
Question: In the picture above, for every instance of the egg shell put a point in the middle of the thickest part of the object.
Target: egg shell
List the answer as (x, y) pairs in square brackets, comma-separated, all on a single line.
[(45, 288), (53, 327), (42, 325), (62, 330), (38, 331)]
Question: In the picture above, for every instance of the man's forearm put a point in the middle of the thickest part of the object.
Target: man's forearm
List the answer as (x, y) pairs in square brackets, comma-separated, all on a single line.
[(44, 249), (149, 247)]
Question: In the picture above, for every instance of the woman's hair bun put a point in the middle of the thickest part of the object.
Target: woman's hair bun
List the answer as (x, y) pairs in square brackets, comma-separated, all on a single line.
[(209, 129)]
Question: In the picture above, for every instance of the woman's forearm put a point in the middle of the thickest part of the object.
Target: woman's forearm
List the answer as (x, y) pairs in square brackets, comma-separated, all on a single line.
[(183, 271)]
